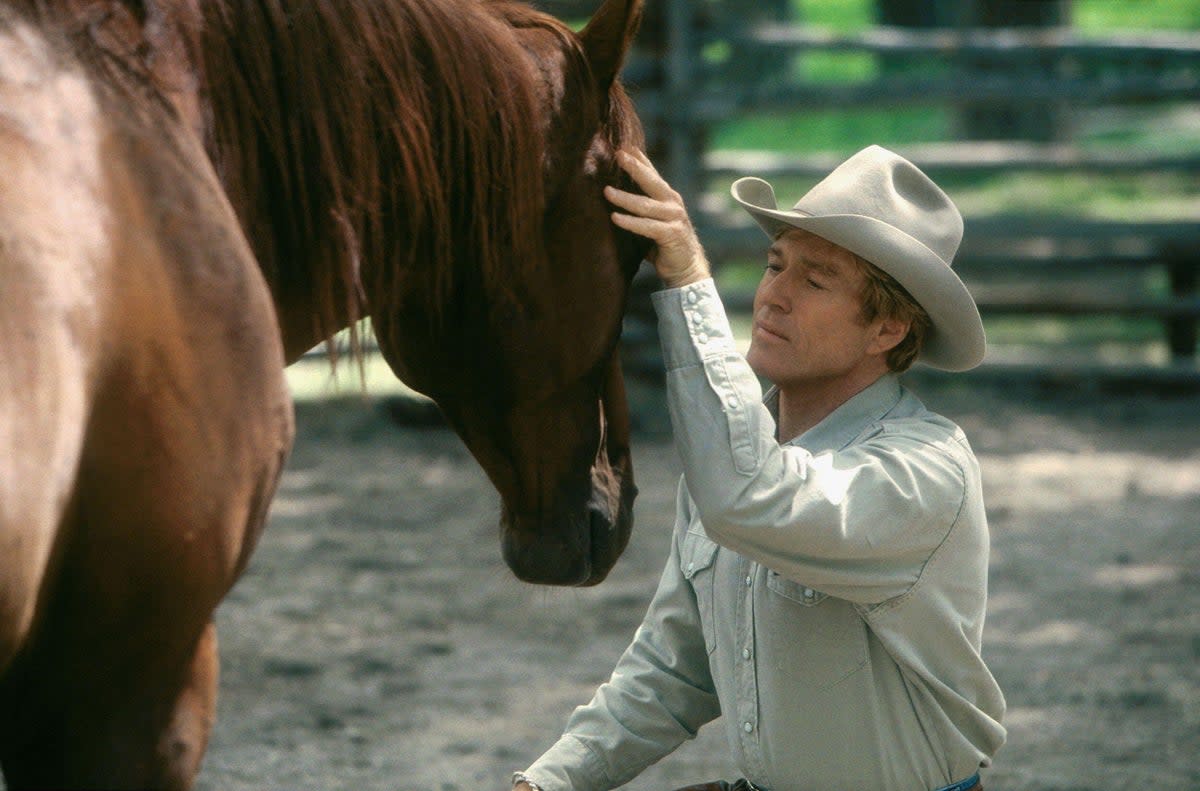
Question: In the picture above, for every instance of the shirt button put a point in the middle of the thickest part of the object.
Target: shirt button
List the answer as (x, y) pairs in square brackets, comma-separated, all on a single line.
[(691, 297), (691, 567), (745, 653), (809, 593), (748, 727), (702, 337), (749, 580), (732, 402)]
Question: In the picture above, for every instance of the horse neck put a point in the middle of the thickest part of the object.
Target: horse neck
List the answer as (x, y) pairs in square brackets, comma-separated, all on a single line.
[(383, 157)]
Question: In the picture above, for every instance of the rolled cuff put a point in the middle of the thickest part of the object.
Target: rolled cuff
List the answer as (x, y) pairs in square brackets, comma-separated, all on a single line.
[(567, 766)]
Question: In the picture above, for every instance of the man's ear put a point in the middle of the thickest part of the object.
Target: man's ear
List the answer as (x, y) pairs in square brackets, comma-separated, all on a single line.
[(888, 335)]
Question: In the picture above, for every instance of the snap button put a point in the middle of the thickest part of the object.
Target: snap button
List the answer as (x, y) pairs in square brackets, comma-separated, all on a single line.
[(745, 653), (748, 727), (749, 580)]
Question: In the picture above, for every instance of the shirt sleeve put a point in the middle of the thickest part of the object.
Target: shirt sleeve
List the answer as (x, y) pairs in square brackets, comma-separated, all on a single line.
[(658, 696), (857, 523)]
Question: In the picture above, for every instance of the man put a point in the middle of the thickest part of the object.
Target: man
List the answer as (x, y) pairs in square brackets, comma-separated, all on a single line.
[(826, 585)]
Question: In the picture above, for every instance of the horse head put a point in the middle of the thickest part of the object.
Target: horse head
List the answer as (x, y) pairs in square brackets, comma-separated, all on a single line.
[(554, 437), (439, 167), (524, 363)]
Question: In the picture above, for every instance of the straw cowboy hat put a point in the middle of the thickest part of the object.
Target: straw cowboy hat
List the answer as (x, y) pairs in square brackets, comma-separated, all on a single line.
[(883, 208)]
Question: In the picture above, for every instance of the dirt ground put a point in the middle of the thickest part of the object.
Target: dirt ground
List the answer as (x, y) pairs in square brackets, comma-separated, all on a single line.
[(379, 642)]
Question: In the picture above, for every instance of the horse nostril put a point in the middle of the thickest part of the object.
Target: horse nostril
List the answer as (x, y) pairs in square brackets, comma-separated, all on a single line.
[(560, 556)]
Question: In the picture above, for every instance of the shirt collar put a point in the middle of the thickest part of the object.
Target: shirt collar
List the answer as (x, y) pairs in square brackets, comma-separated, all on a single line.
[(849, 420)]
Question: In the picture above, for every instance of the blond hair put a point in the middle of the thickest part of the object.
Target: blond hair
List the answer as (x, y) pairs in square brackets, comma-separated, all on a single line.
[(884, 297)]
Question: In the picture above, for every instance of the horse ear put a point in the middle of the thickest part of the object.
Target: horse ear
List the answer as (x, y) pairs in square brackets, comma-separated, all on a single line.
[(607, 37)]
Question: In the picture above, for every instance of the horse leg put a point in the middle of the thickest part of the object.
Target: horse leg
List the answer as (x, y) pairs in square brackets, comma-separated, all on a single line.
[(183, 741), (116, 686), (132, 726)]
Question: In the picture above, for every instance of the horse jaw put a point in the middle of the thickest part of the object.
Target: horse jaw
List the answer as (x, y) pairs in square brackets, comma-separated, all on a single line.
[(578, 541)]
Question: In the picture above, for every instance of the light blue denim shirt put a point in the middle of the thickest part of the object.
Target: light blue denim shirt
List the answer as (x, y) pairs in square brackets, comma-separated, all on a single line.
[(825, 596)]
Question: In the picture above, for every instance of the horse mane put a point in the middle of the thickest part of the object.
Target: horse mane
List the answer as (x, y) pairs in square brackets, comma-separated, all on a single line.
[(380, 154), (378, 151)]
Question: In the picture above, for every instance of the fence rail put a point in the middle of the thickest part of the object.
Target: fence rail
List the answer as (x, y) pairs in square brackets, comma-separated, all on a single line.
[(1182, 48), (975, 158), (701, 63)]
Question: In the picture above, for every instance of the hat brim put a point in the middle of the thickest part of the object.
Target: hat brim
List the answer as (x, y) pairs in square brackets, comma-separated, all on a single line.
[(956, 341)]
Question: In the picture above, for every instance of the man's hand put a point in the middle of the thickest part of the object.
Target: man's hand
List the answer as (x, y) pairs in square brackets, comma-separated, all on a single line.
[(661, 217)]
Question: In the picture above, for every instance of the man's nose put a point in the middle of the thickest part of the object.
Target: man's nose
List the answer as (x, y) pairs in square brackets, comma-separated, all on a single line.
[(773, 292)]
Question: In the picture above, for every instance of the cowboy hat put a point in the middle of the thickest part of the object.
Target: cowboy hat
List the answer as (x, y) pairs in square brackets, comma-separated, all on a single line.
[(881, 207)]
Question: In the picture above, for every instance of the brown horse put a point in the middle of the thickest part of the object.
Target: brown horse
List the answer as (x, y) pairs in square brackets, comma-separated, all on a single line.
[(436, 165)]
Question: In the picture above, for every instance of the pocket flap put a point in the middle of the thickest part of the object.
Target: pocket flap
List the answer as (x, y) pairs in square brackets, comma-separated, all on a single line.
[(696, 554), (795, 591)]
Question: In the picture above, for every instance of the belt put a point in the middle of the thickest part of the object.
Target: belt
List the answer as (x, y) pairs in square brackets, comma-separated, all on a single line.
[(969, 784), (963, 785)]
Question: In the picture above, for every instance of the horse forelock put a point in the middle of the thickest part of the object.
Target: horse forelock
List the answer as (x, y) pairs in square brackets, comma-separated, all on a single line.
[(378, 153)]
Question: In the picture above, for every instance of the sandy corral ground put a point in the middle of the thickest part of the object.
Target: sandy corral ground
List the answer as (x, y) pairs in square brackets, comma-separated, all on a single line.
[(378, 641)]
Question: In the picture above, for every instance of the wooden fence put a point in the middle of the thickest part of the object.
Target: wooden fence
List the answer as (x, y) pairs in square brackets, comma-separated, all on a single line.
[(1021, 264)]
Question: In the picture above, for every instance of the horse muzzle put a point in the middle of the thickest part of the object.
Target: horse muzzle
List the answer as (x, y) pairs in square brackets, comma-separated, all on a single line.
[(572, 548)]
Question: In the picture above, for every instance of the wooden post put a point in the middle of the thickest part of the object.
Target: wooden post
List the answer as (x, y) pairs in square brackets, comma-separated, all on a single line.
[(1015, 120), (1183, 275), (682, 147)]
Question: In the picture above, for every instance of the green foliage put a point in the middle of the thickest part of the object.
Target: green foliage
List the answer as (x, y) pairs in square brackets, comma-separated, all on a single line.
[(837, 67), (1106, 16), (1157, 196), (1088, 16), (820, 130), (844, 16)]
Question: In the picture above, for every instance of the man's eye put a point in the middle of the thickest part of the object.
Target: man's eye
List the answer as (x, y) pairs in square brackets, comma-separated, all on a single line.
[(773, 267), (815, 284)]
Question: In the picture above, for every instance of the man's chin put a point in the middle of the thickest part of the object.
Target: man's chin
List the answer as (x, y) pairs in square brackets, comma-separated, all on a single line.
[(763, 366)]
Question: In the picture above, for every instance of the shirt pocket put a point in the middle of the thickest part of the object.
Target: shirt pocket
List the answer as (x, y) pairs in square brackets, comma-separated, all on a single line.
[(821, 637), (697, 561)]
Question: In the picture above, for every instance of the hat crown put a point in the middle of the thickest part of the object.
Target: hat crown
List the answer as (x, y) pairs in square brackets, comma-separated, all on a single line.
[(880, 184)]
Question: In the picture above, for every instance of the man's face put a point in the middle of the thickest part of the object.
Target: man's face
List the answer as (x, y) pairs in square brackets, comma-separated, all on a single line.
[(808, 326)]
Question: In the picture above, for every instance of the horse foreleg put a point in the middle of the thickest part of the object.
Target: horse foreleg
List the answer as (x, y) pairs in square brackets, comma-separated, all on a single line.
[(135, 726), (183, 742)]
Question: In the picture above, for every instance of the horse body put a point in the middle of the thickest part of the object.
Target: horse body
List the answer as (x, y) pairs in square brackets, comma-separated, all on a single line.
[(144, 420), (180, 217)]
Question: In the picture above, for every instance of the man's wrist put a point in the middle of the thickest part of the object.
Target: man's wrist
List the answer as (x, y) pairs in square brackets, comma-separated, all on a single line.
[(521, 783), (693, 274)]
